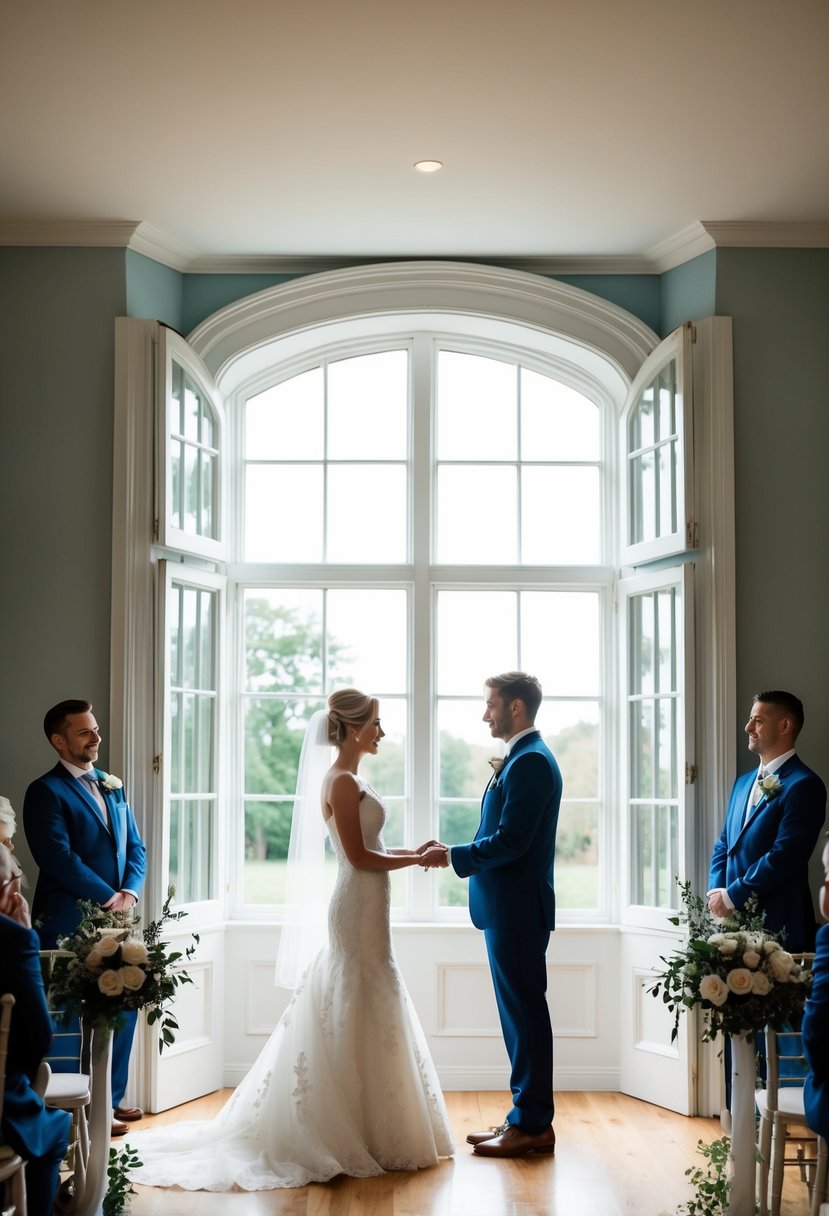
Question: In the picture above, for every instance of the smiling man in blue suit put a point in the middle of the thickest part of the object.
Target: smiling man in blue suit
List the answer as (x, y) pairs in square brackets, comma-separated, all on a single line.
[(511, 897), (84, 838), (773, 821)]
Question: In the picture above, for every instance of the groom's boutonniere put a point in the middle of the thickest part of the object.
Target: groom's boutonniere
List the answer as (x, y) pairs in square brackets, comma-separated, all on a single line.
[(771, 785), (110, 783), (496, 763)]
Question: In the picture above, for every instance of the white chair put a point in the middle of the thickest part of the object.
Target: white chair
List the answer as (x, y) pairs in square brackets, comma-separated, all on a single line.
[(783, 1116), (820, 1189), (68, 1091), (12, 1165)]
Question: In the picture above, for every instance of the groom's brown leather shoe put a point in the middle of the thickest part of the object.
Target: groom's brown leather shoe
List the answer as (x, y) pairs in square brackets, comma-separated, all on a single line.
[(479, 1137), (515, 1143)]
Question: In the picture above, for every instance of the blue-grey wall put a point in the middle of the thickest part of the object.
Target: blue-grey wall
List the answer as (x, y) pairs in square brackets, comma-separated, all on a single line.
[(779, 301), (56, 352)]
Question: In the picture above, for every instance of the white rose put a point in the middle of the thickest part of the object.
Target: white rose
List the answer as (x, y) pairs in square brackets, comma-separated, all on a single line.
[(111, 983), (728, 946), (761, 985), (107, 946), (713, 989), (716, 939), (751, 959), (781, 964), (94, 959), (739, 980), (132, 978), (134, 951), (771, 947)]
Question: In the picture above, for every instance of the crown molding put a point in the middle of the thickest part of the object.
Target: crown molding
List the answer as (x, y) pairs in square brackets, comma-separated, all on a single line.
[(155, 244), (735, 234), (90, 233), (697, 238)]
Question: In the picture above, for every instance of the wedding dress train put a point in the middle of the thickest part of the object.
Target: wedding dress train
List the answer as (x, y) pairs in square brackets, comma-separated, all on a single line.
[(344, 1085)]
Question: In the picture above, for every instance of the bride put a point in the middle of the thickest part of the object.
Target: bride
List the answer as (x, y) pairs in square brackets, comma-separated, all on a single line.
[(345, 1084)]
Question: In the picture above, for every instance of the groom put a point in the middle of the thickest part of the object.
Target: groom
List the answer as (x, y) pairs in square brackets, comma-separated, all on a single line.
[(510, 869), (84, 838)]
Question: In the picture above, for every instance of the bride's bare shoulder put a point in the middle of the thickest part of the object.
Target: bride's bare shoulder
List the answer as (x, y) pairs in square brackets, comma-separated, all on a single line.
[(341, 786)]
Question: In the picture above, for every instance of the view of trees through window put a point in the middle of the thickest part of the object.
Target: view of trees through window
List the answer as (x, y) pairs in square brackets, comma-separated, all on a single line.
[(384, 517)]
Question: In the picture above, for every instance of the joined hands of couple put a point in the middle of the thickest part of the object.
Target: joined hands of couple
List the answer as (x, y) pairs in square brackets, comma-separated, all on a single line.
[(433, 854)]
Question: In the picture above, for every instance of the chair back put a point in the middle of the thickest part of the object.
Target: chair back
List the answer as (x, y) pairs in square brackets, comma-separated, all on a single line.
[(6, 1005), (69, 1051), (785, 1062)]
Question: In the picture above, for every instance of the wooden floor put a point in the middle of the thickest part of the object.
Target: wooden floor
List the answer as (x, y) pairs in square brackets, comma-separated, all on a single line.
[(615, 1156)]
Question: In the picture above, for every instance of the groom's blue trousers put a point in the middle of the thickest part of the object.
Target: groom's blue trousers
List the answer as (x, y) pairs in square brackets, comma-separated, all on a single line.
[(518, 962)]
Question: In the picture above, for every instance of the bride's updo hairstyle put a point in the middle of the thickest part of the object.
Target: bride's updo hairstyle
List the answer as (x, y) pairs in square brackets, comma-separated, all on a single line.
[(348, 707)]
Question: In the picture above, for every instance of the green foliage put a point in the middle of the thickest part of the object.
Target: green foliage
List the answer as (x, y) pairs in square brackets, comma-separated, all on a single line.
[(120, 1189), (710, 1181), (734, 970)]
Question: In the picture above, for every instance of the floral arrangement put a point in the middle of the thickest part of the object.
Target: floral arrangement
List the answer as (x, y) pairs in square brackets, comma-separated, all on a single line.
[(108, 968), (735, 970)]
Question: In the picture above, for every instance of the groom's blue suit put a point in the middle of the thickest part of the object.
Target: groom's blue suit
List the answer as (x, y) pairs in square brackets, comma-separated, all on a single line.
[(512, 898), (80, 858), (768, 855), (816, 1040)]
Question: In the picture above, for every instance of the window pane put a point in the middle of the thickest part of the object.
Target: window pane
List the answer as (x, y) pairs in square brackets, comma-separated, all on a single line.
[(668, 606), (285, 422), (367, 639), (189, 639), (477, 404), (642, 498), (642, 424), (267, 834), (477, 513), (465, 745), (557, 423), (368, 407), (366, 513), (641, 749), (386, 771), (666, 488), (560, 641), (191, 849), (209, 471), (560, 516), (190, 411), (283, 513), (283, 641), (191, 488), (642, 644), (176, 750), (476, 638), (204, 736), (571, 731), (176, 483), (274, 730), (666, 390), (177, 399), (577, 860), (654, 855), (666, 743)]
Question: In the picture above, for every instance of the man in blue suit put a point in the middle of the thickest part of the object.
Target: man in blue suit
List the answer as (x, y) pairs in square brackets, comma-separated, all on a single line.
[(511, 897), (774, 818), (39, 1134), (815, 1027), (84, 838)]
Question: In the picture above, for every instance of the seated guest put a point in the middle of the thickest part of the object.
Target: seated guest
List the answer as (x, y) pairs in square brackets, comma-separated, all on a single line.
[(8, 823), (38, 1134), (816, 1024)]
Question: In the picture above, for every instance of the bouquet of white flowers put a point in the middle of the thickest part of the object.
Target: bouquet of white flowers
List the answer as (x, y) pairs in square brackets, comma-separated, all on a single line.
[(735, 970), (108, 968)]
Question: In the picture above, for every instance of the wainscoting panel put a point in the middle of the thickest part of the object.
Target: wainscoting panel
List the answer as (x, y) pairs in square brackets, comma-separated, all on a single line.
[(447, 974)]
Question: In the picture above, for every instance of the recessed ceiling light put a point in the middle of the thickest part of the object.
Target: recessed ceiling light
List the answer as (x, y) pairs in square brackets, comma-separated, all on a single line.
[(428, 166)]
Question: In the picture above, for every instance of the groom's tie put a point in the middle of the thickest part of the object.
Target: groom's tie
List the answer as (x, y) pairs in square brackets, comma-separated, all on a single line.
[(756, 792), (93, 789)]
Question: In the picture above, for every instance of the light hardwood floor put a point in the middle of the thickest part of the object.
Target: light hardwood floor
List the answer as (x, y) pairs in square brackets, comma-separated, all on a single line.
[(615, 1156)]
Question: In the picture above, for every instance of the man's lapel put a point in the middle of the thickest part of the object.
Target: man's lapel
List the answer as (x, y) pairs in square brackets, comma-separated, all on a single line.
[(84, 796)]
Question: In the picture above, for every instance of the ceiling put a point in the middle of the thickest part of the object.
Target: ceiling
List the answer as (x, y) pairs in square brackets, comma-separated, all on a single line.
[(244, 132)]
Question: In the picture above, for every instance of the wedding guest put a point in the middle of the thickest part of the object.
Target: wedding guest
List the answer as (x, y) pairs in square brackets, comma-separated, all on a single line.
[(39, 1134), (815, 1028), (83, 836), (8, 823), (773, 820), (511, 897)]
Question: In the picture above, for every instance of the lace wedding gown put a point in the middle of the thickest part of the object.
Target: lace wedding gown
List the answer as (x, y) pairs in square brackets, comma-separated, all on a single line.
[(344, 1085)]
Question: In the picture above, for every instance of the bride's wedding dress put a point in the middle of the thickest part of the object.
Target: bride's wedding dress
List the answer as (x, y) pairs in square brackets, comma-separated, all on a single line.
[(344, 1085)]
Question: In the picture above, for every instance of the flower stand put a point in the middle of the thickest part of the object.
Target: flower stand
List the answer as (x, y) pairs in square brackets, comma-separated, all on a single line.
[(742, 1160), (89, 1203)]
